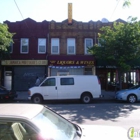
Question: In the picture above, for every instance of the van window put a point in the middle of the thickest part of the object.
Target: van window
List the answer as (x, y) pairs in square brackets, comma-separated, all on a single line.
[(49, 82), (66, 81)]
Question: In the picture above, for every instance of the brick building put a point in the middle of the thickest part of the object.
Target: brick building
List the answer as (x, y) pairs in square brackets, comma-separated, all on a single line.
[(67, 52), (55, 48), (28, 54)]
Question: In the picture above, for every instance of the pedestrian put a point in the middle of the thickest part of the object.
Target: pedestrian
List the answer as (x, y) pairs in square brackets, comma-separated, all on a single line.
[(37, 81)]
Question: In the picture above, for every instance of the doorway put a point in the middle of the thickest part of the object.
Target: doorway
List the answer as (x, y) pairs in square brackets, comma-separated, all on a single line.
[(8, 80)]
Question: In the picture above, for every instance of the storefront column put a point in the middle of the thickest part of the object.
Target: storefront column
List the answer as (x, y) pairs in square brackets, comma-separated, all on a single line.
[(94, 70), (49, 71)]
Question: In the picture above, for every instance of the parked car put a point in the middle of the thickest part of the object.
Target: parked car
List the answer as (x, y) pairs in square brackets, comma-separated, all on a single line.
[(7, 94), (72, 87), (131, 95), (38, 122)]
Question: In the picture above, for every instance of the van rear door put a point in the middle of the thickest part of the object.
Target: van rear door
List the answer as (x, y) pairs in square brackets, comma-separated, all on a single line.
[(49, 88)]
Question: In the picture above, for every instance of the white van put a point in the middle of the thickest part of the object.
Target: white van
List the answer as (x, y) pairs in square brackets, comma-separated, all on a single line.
[(84, 87)]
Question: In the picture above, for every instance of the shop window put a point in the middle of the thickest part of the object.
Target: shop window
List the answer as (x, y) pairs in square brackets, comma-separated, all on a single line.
[(88, 71), (24, 47), (55, 46), (71, 46), (41, 45), (88, 44)]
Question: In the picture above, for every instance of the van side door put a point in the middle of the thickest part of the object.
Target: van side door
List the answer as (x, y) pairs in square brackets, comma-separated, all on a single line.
[(49, 88), (65, 89)]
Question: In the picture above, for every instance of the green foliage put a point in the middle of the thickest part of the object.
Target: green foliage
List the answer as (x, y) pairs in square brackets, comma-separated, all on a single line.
[(5, 40), (126, 3), (119, 44)]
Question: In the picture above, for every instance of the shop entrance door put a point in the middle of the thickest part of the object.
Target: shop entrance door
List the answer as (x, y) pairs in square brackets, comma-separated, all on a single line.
[(8, 80)]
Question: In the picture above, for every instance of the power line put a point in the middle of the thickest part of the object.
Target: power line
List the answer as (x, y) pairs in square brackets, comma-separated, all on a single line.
[(22, 16), (18, 9), (114, 9)]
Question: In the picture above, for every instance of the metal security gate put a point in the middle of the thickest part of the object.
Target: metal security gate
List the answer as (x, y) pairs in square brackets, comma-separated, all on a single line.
[(25, 76)]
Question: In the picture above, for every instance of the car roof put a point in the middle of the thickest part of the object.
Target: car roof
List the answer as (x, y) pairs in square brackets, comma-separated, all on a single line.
[(15, 110)]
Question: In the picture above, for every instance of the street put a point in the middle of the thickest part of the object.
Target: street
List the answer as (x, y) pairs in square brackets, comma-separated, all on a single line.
[(114, 114), (99, 112)]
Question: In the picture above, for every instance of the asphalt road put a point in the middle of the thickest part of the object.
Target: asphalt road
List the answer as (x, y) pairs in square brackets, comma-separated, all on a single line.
[(111, 114), (99, 112)]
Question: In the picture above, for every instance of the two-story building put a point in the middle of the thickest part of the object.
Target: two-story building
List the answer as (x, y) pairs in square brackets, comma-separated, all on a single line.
[(56, 48), (28, 54)]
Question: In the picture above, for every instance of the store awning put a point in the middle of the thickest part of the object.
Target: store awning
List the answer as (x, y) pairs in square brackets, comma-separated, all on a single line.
[(71, 60)]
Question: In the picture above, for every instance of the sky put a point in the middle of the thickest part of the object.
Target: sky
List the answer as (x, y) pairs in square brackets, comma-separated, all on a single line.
[(57, 10)]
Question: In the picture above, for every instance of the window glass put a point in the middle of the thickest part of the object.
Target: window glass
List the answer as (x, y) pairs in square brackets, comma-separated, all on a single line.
[(41, 45), (11, 47), (24, 48), (66, 81), (16, 131), (49, 82), (55, 46), (88, 44), (71, 46), (54, 126), (100, 41)]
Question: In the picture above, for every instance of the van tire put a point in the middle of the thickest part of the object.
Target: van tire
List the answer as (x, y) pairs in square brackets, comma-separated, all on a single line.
[(37, 99), (86, 98)]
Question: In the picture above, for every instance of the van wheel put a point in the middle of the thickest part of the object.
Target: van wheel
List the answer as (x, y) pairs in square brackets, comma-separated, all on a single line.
[(37, 99), (86, 98)]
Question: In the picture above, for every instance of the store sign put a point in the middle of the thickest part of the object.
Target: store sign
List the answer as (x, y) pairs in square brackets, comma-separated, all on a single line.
[(74, 63), (24, 62)]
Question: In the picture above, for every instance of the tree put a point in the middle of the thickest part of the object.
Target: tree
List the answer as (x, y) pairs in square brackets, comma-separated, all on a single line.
[(119, 45), (126, 3), (5, 40)]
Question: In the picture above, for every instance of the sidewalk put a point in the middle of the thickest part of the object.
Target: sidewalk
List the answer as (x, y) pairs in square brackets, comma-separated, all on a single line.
[(108, 95)]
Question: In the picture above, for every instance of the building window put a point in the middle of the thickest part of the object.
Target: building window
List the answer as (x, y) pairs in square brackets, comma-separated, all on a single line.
[(71, 46), (55, 46), (99, 42), (41, 45), (24, 47), (88, 71), (11, 47), (88, 44)]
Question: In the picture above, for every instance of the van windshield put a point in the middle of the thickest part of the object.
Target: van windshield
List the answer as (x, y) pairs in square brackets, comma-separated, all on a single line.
[(54, 126)]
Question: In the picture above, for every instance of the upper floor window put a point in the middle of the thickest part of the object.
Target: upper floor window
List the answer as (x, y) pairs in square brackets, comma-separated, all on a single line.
[(55, 46), (11, 47), (41, 45), (24, 47), (71, 46), (88, 44), (100, 41)]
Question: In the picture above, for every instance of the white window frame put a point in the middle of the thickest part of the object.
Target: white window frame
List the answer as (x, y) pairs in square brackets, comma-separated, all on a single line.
[(21, 45), (86, 47), (71, 43), (11, 47), (54, 43), (42, 43)]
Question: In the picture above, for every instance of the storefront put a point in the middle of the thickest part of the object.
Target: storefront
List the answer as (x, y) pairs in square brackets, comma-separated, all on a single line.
[(21, 74), (71, 65)]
